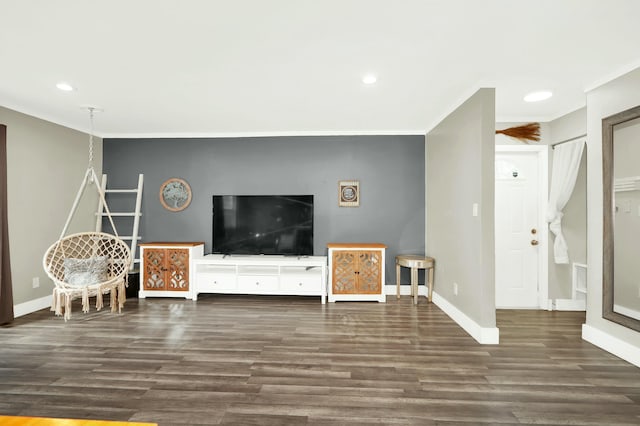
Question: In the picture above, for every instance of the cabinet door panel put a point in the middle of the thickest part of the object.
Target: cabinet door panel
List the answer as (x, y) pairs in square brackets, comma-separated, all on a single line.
[(154, 277), (178, 269), (344, 277), (369, 270)]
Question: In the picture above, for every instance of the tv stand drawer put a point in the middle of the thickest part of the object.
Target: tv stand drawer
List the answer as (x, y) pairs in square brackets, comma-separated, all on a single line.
[(214, 283), (258, 284), (296, 284)]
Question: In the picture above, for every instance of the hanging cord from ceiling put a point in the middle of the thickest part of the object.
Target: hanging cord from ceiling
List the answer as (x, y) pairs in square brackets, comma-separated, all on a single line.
[(89, 178), (91, 110)]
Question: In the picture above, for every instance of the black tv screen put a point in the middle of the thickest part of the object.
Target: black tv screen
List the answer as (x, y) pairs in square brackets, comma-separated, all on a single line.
[(263, 224)]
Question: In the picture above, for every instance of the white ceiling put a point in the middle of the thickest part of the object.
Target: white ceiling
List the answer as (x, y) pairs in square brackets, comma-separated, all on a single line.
[(277, 67)]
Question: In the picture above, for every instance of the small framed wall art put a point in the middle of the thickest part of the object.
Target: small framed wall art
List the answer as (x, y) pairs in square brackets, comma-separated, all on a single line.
[(348, 193), (175, 194)]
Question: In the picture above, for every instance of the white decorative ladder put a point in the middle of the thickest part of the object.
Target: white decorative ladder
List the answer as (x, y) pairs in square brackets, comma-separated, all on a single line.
[(136, 214)]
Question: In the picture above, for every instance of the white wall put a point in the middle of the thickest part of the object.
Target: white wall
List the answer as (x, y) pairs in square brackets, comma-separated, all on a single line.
[(611, 98), (45, 165), (568, 126), (460, 158), (545, 134), (574, 221)]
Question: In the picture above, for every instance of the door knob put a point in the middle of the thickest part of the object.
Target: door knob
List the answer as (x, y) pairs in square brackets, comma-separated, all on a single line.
[(534, 242), (534, 230)]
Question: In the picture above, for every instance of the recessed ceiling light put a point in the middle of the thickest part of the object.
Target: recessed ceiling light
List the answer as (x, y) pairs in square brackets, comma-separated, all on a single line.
[(369, 79), (538, 96), (64, 86)]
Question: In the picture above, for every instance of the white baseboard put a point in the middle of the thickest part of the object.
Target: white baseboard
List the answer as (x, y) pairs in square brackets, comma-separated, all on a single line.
[(31, 306), (570, 305), (484, 335), (612, 344)]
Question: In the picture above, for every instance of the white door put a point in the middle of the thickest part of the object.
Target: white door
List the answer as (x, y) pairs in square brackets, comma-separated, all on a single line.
[(517, 239)]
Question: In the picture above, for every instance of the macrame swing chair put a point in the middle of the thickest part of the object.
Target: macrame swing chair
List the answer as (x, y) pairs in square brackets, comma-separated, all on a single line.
[(87, 264)]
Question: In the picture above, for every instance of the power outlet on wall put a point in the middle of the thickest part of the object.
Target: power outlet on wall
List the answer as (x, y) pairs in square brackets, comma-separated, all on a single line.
[(35, 282), (455, 289)]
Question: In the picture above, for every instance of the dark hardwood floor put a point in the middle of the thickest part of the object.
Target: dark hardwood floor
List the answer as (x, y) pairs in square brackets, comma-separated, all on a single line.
[(253, 360)]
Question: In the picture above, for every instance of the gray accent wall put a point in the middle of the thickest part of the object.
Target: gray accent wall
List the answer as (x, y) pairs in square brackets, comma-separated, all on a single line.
[(460, 173), (390, 170)]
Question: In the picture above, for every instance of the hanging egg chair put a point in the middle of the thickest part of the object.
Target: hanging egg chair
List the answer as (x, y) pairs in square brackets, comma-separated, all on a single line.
[(87, 264)]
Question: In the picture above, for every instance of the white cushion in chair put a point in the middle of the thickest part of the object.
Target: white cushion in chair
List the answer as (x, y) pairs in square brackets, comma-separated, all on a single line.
[(83, 272)]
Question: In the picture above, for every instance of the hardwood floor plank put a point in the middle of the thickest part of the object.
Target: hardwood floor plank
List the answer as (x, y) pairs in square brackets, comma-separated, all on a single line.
[(290, 360), (418, 415), (543, 418), (261, 420)]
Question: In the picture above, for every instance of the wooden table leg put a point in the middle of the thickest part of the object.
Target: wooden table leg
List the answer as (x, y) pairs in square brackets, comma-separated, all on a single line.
[(414, 285), (397, 281), (430, 284)]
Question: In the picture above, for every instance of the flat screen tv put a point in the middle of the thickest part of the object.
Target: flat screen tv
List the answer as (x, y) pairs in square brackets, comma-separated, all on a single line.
[(263, 224)]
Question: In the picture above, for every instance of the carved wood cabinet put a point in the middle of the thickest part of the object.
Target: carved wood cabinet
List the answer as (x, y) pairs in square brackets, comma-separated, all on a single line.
[(166, 268), (356, 271)]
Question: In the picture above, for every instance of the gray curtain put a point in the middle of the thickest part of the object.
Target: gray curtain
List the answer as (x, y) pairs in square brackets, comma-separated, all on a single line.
[(6, 292)]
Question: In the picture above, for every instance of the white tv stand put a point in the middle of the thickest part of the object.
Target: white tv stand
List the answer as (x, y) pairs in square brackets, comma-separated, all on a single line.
[(261, 274)]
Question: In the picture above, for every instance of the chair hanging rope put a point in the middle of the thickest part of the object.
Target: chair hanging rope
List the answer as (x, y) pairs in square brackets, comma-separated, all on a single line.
[(91, 263), (90, 178)]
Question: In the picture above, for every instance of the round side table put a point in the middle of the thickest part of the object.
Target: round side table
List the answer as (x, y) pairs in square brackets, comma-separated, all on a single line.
[(415, 262)]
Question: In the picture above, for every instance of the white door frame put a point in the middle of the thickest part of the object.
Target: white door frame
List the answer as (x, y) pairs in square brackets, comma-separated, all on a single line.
[(543, 226)]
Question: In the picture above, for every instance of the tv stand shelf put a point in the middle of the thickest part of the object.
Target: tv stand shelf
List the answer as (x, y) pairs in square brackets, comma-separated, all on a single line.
[(261, 274)]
